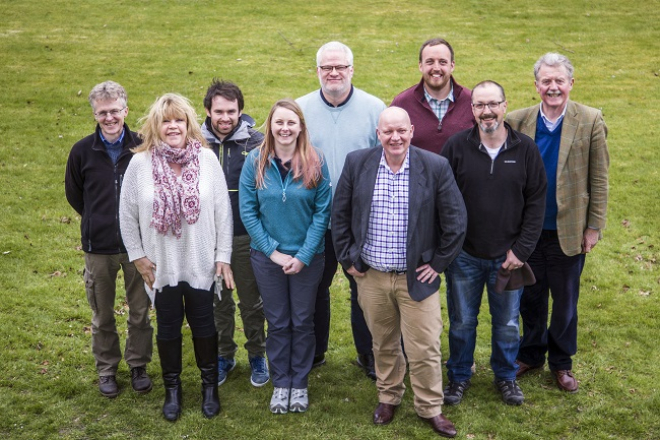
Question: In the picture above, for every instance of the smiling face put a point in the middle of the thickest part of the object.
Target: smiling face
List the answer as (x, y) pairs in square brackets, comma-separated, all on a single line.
[(224, 115), (554, 86), (489, 119), (111, 124), (436, 67), (285, 127), (394, 133), (173, 131), (335, 83)]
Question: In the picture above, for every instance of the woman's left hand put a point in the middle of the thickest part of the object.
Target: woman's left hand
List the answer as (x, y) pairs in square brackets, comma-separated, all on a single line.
[(293, 266), (224, 270)]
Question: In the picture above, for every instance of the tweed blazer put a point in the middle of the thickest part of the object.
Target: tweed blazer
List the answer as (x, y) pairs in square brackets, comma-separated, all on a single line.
[(582, 170)]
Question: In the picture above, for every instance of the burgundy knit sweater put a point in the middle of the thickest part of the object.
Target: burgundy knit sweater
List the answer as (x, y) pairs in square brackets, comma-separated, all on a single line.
[(428, 135)]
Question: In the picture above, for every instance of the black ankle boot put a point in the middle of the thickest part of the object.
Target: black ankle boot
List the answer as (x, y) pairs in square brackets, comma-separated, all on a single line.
[(170, 362), (206, 355)]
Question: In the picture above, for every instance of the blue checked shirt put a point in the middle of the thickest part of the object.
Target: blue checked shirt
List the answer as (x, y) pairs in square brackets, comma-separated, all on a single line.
[(385, 246), (439, 107)]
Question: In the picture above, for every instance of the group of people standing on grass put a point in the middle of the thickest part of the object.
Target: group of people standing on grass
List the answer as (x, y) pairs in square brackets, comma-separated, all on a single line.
[(437, 183)]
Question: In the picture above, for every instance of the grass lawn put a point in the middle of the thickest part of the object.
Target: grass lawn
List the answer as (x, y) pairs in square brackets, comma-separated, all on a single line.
[(54, 52)]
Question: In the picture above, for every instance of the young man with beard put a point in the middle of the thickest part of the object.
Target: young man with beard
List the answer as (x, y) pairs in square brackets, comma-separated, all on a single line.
[(231, 135), (572, 140), (438, 106), (500, 175)]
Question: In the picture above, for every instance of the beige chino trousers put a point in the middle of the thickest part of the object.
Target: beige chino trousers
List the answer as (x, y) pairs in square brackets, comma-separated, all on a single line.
[(390, 313)]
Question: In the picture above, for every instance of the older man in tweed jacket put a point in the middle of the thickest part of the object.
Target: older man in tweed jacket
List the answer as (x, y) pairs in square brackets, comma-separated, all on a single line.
[(572, 141)]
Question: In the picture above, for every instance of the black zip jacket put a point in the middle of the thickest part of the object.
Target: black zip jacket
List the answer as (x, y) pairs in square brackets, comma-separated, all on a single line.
[(92, 184), (235, 149), (504, 197)]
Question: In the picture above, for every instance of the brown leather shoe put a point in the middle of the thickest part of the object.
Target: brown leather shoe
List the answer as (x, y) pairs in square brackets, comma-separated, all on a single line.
[(384, 414), (442, 425), (524, 368), (566, 381)]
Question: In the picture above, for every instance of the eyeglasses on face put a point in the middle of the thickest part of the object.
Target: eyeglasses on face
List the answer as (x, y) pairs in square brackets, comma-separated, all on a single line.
[(329, 69), (491, 105), (104, 114)]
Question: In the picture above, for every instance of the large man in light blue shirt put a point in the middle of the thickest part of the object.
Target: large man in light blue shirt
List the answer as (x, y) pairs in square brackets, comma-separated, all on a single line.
[(341, 118)]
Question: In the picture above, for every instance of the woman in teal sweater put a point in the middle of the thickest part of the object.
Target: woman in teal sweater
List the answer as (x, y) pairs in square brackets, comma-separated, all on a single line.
[(284, 198)]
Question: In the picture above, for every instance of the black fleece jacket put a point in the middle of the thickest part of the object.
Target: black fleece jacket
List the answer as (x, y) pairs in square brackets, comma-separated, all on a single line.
[(92, 185), (504, 197)]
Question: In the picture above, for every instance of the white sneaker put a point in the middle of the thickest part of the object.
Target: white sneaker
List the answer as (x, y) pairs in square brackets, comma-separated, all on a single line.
[(299, 401), (279, 403)]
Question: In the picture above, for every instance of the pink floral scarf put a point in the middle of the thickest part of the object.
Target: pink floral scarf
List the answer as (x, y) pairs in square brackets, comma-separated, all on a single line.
[(173, 196)]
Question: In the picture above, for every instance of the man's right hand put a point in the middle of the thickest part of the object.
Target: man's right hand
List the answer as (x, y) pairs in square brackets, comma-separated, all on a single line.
[(352, 271)]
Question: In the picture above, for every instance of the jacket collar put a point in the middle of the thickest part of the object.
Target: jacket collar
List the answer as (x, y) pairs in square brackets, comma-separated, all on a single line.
[(419, 90), (512, 138), (129, 140), (239, 133)]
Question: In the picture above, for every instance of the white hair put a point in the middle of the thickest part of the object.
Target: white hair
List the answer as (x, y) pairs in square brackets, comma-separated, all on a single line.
[(552, 59), (335, 45)]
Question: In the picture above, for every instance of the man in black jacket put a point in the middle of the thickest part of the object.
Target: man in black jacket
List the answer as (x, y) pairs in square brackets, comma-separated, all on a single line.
[(231, 135), (94, 173), (501, 176)]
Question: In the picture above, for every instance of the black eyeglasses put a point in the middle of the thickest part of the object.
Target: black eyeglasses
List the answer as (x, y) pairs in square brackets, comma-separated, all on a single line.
[(490, 105), (329, 69)]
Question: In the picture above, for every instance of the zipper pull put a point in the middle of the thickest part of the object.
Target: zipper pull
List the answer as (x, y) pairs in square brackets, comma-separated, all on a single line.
[(283, 195)]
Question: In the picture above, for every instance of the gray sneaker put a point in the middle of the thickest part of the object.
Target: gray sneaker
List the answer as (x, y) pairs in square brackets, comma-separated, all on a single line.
[(279, 403), (511, 392), (299, 401), (454, 392)]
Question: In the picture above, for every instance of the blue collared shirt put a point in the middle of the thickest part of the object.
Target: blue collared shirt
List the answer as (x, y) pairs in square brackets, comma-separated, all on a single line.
[(548, 123), (113, 148), (440, 107), (385, 246)]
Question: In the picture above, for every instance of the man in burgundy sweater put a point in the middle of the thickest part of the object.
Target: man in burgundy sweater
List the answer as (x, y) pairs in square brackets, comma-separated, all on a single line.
[(438, 106)]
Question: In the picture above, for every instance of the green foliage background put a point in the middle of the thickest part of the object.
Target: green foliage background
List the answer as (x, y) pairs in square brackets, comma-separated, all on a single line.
[(52, 53)]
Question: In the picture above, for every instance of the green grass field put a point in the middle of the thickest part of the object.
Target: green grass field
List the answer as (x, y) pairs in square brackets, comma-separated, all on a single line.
[(54, 52)]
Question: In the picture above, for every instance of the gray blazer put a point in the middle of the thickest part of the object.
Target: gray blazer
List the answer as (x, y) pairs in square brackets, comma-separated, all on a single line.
[(436, 214)]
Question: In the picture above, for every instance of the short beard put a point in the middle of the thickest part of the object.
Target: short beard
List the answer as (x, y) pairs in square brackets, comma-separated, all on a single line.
[(490, 130)]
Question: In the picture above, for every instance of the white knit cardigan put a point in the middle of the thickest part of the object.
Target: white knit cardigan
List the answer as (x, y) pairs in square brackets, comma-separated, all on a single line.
[(192, 257)]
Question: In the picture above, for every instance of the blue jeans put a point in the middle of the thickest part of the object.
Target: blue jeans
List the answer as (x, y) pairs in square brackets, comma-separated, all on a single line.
[(466, 277)]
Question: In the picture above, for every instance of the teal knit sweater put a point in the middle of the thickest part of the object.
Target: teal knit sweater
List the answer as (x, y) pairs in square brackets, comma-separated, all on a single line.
[(284, 215)]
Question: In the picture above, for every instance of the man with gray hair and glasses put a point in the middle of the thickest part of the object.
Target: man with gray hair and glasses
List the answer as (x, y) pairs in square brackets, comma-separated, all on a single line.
[(341, 118), (94, 174), (572, 140)]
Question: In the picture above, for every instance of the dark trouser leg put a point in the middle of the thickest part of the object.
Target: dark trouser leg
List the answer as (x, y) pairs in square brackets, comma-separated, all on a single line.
[(564, 280), (361, 334), (322, 308), (534, 309), (250, 303), (559, 275), (274, 288), (301, 293)]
